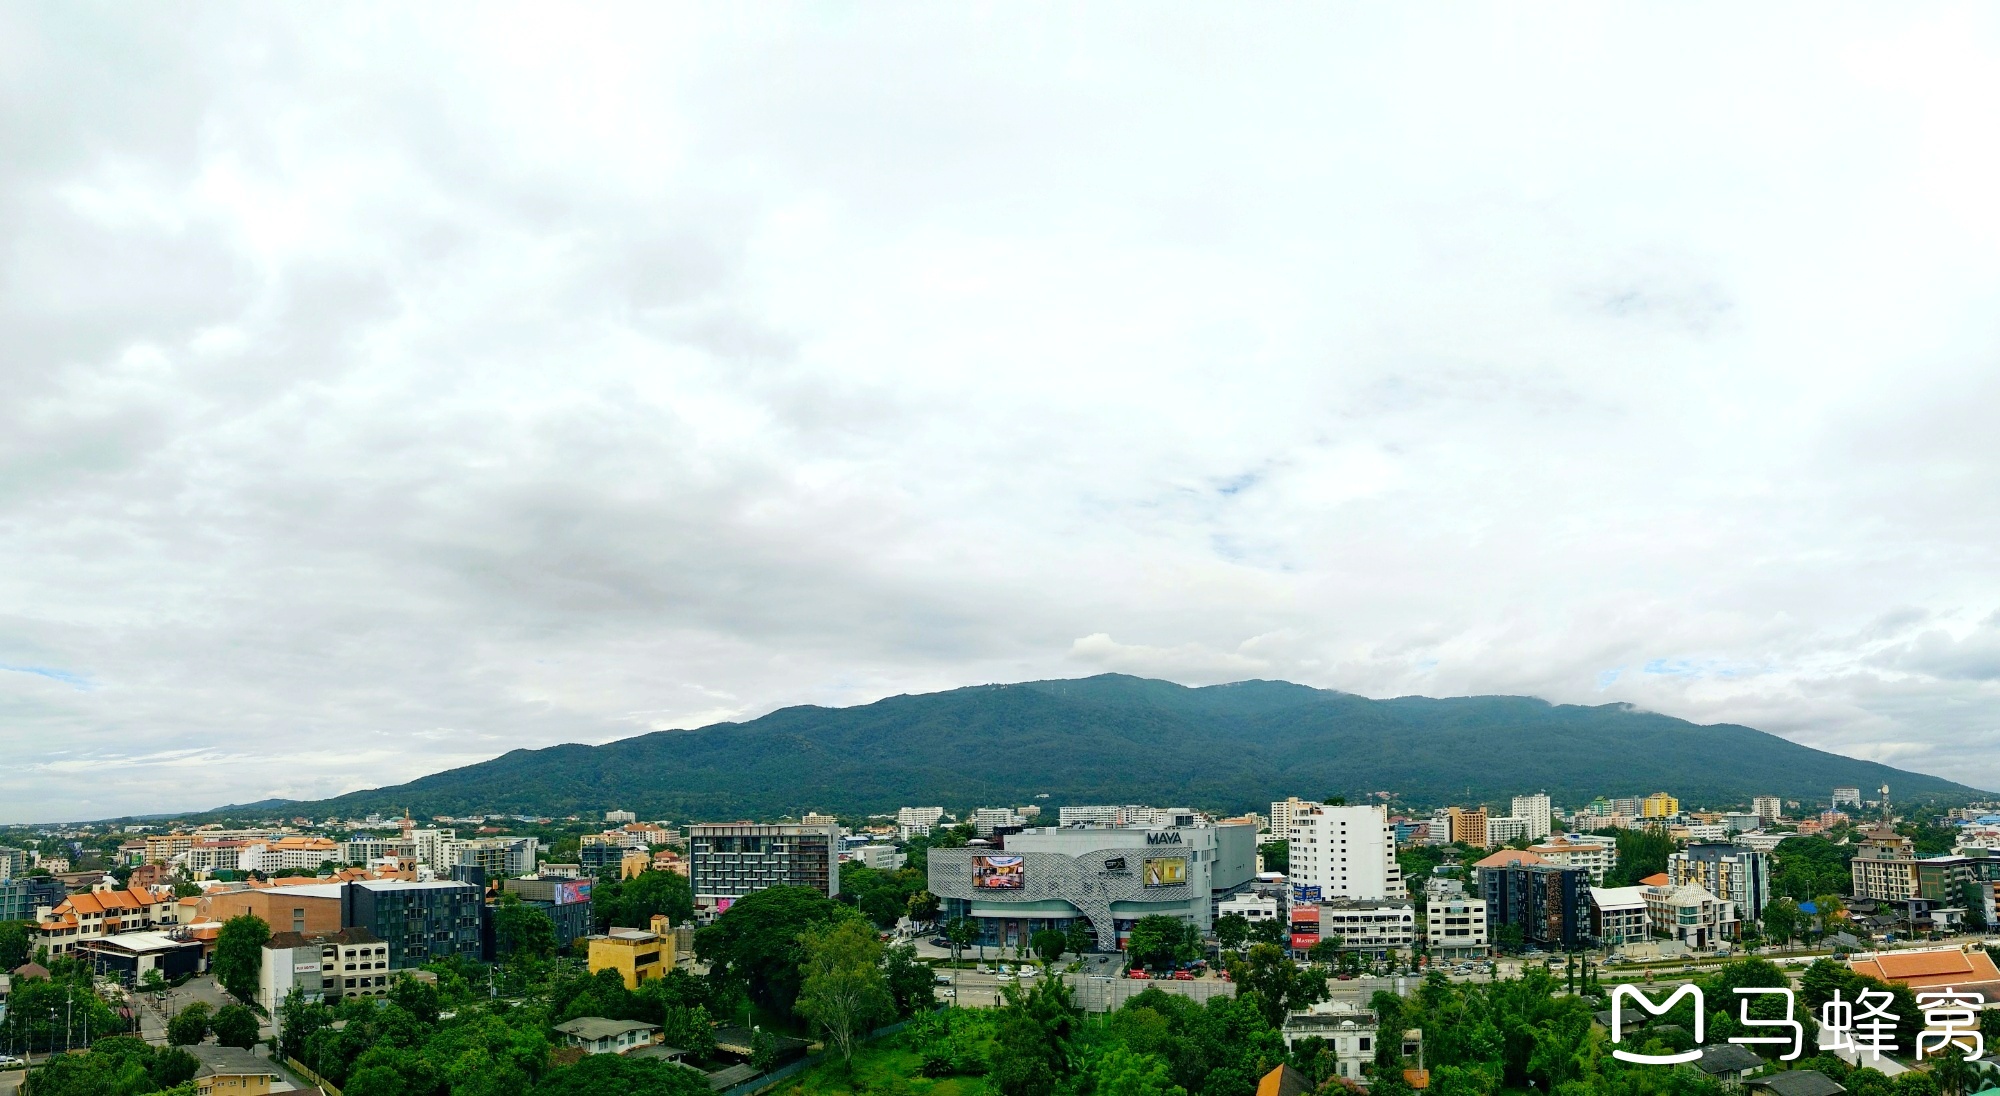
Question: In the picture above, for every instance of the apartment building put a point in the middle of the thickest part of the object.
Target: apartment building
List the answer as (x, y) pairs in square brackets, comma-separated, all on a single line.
[(1468, 826), (917, 821), (497, 857), (616, 817), (727, 860), (1347, 852), (1454, 921), (639, 956), (1730, 872), (1535, 808), (1594, 855), (1282, 815), (1503, 829), (13, 862), (161, 848), (285, 909), (1884, 867), (1770, 808), (1618, 915), (289, 853), (94, 915), (1549, 904), (1845, 797), (1690, 914)]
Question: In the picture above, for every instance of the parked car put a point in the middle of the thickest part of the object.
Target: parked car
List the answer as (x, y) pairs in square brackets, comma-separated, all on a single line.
[(1183, 976), (9, 1060), (1140, 975), (940, 942)]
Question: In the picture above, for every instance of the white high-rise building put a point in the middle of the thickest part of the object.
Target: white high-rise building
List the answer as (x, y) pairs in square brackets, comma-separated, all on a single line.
[(1770, 808), (620, 816), (1499, 831), (1534, 808), (917, 821), (1282, 815), (1347, 852)]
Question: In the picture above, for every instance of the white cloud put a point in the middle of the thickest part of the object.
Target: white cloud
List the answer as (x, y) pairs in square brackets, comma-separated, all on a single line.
[(435, 386)]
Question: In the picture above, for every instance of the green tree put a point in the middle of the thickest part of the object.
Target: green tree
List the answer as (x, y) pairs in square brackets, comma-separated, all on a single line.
[(1160, 940), (298, 1019), (1327, 951), (1049, 946), (633, 902), (1781, 919), (235, 1026), (842, 987), (190, 1025), (1277, 856), (1231, 930), (1120, 1072), (961, 932), (911, 983), (1277, 983), (1507, 937), (689, 1028), (756, 944), (239, 955), (522, 931), (16, 939), (1078, 935), (1033, 1041), (116, 1066)]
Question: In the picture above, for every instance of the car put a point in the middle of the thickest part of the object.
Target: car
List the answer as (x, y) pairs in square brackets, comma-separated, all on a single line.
[(1029, 972), (942, 980), (1183, 976), (1346, 977), (9, 1060), (940, 942), (1138, 975), (1225, 976), (1003, 976)]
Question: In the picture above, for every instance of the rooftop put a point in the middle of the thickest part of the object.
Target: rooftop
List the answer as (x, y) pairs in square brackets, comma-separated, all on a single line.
[(1798, 1082), (593, 1028), (221, 1061)]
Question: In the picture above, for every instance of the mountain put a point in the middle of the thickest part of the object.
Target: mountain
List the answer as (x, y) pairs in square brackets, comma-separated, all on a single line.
[(1118, 739)]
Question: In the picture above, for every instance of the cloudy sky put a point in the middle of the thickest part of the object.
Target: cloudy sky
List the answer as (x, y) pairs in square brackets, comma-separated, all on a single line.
[(384, 391)]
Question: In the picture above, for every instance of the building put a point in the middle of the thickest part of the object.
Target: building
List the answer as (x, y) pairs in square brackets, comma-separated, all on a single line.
[(596, 856), (233, 1071), (161, 848), (96, 914), (1966, 969), (566, 901), (727, 860), (1504, 829), (880, 857), (1845, 797), (639, 956), (1104, 877), (288, 854), (1577, 851), (127, 957), (285, 909), (498, 857), (987, 821), (1618, 915), (1730, 872), (1346, 852), (1770, 808), (1468, 827), (1534, 808), (27, 897), (324, 966), (616, 817), (1659, 805), (1375, 929), (1454, 921), (1252, 907), (1282, 815), (1690, 914), (1885, 867), (596, 1035), (1950, 885), (13, 862), (419, 921), (1349, 1032), (1550, 905), (917, 821)]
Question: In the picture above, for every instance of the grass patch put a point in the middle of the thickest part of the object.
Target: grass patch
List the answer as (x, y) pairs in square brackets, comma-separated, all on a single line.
[(886, 1069)]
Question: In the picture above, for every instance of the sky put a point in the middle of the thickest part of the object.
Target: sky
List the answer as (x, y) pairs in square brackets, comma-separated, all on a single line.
[(386, 388)]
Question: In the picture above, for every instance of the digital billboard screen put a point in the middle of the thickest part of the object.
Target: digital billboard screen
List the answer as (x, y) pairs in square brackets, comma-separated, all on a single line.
[(568, 893), (1166, 871), (991, 872)]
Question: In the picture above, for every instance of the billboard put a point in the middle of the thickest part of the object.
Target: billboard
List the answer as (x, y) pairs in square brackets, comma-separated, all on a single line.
[(990, 872), (1302, 942), (1166, 871), (567, 893), (1303, 893)]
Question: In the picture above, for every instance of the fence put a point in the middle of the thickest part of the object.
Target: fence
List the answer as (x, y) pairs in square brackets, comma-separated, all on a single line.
[(1109, 994), (325, 1085)]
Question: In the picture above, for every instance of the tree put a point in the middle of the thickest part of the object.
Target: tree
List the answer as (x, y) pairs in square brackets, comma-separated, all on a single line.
[(689, 1028), (842, 988), (1078, 936), (1160, 940), (1507, 937), (235, 1026), (15, 939), (961, 932), (1278, 984), (633, 902), (1781, 919), (521, 931), (1119, 1072), (756, 944), (1327, 951), (298, 1019), (189, 1026), (911, 983), (1231, 930), (1049, 946), (1032, 1052), (923, 907), (239, 955), (1277, 856)]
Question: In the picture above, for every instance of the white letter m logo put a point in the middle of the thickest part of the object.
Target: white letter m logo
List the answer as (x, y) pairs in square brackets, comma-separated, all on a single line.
[(1618, 1025)]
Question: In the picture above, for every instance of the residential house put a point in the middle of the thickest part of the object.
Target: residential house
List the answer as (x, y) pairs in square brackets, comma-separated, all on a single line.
[(596, 1035)]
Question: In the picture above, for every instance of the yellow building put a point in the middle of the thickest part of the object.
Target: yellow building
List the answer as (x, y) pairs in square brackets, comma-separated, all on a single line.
[(1659, 805), (634, 863), (229, 1071), (637, 955)]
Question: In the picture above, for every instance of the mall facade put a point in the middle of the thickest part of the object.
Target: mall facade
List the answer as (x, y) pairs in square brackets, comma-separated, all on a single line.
[(1105, 876)]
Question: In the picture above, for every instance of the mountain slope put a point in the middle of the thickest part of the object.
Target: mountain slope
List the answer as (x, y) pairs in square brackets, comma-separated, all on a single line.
[(1129, 740)]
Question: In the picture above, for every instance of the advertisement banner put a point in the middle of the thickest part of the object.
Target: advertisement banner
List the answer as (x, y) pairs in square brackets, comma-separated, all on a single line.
[(1302, 942), (568, 893), (1166, 871), (993, 872), (1303, 893), (722, 904)]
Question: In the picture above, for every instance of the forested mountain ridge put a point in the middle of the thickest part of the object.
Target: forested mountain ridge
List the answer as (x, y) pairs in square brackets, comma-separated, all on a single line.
[(1119, 739)]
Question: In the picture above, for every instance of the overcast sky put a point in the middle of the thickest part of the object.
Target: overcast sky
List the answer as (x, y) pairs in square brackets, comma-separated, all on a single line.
[(385, 391)]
